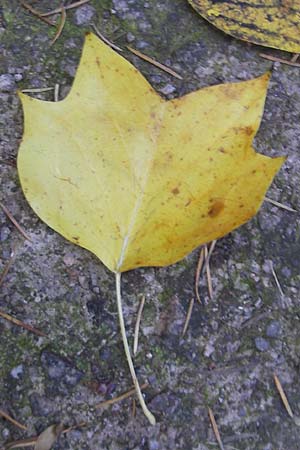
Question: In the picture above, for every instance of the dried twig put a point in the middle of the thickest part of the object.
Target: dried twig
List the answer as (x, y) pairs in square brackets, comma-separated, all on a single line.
[(155, 63), (74, 427), (120, 397), (198, 273), (13, 220), (188, 317), (104, 39), (137, 325), (283, 396), (295, 57), (61, 25), (21, 324), (36, 13), (211, 249), (280, 205), (276, 279), (215, 428), (13, 421), (280, 60), (58, 10)]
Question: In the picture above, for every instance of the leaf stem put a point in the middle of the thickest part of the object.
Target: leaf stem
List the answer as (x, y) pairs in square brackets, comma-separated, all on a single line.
[(146, 411)]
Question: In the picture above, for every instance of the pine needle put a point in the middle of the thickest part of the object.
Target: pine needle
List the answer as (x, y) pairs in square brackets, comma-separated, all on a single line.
[(56, 92), (188, 316), (121, 397), (280, 60), (280, 205), (283, 396), (58, 10), (61, 25), (137, 325), (276, 280), (13, 220), (155, 63), (198, 273), (7, 265), (104, 39), (215, 429), (11, 420), (29, 90), (208, 274), (21, 324), (36, 13)]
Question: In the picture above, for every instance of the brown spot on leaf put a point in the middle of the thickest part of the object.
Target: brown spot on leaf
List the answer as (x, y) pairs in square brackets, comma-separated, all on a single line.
[(216, 208), (175, 191)]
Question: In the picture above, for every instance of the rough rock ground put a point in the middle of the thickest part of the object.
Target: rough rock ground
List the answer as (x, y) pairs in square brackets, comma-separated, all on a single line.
[(233, 345)]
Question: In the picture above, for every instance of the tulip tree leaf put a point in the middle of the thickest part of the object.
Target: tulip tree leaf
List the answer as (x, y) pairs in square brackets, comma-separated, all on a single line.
[(136, 179), (270, 23)]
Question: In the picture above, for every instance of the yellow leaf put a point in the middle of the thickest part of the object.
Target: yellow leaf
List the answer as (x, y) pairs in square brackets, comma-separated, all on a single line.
[(136, 179), (264, 22)]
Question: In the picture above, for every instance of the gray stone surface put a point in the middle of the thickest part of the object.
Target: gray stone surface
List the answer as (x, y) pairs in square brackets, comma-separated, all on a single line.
[(68, 294)]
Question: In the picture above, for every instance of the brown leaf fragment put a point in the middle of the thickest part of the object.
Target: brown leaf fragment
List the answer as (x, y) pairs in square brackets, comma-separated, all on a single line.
[(215, 429), (13, 421), (21, 324), (48, 437), (283, 396)]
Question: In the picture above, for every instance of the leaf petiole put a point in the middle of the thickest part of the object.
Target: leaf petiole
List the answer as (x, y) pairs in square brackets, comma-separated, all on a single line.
[(146, 411)]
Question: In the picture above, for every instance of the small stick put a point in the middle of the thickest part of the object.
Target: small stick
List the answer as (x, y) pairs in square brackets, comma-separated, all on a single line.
[(13, 220), (208, 275), (283, 396), (13, 421), (155, 63), (133, 407), (36, 13), (121, 397), (188, 316), (8, 265), (146, 411), (215, 428), (283, 61), (37, 89), (211, 249), (58, 10), (280, 205), (295, 57), (137, 325), (198, 272), (21, 324), (104, 39), (61, 25), (56, 92), (276, 279)]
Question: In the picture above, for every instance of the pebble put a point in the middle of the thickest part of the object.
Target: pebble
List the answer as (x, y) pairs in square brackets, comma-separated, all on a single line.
[(17, 371), (130, 37), (7, 82), (167, 89), (60, 369), (4, 233), (273, 329), (84, 15), (261, 344), (41, 406)]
